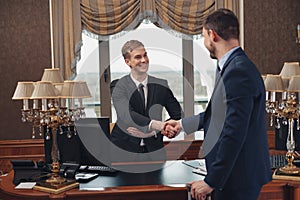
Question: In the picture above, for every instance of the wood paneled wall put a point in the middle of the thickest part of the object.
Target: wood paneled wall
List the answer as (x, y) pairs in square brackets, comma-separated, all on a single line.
[(270, 33), (25, 52), (20, 150)]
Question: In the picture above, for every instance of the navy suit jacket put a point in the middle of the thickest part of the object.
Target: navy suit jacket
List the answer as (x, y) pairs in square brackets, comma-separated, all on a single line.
[(235, 139), (131, 112)]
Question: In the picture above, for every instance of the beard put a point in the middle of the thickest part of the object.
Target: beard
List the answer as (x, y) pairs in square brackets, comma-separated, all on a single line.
[(213, 56), (211, 49), (212, 52)]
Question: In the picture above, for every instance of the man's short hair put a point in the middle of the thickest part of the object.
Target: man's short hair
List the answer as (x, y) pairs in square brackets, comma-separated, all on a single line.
[(129, 46), (224, 22)]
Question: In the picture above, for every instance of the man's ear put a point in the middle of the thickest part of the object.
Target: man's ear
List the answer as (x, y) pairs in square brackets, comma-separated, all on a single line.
[(213, 35), (127, 61)]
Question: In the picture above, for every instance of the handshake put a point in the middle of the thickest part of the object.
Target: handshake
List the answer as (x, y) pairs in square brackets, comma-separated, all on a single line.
[(169, 129)]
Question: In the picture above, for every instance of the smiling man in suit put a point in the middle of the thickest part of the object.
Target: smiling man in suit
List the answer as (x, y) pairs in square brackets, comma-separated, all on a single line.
[(139, 100), (235, 141)]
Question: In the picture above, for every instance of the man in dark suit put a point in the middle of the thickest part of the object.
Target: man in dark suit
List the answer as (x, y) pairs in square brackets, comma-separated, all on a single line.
[(235, 145), (139, 100)]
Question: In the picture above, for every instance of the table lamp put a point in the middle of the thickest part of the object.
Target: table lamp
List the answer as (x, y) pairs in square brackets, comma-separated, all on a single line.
[(285, 109), (53, 107)]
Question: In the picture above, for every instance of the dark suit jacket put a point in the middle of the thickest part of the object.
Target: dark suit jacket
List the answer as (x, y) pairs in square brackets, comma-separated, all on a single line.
[(131, 113), (235, 145)]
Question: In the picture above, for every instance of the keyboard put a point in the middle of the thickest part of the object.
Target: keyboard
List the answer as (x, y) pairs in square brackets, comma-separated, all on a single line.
[(277, 160), (99, 169)]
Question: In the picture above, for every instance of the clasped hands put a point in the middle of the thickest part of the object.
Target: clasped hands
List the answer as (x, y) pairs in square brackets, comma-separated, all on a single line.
[(169, 129)]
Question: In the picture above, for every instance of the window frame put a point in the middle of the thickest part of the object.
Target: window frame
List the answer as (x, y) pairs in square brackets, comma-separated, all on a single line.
[(105, 78)]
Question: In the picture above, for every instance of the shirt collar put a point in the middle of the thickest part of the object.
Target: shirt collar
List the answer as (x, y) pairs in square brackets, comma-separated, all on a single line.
[(226, 56), (136, 82)]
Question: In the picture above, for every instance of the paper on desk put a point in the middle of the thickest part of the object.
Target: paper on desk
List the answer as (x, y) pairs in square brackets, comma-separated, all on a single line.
[(25, 185), (195, 163), (92, 186), (200, 170), (177, 185), (92, 189)]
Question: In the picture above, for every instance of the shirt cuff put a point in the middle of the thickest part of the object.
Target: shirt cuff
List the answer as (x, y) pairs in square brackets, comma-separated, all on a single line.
[(149, 127), (182, 129)]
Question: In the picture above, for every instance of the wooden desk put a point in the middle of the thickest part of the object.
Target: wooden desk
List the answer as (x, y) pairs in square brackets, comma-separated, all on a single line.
[(148, 192), (294, 189), (19, 150), (156, 186), (275, 190)]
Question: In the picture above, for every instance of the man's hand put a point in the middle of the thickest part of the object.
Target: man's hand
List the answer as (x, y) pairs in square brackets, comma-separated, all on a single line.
[(137, 133), (171, 129), (199, 190), (157, 125)]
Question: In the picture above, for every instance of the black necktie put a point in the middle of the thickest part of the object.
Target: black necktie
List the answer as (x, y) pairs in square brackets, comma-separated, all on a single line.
[(141, 91)]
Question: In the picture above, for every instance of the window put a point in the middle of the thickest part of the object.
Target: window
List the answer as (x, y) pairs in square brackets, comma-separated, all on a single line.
[(204, 78), (88, 70), (165, 55)]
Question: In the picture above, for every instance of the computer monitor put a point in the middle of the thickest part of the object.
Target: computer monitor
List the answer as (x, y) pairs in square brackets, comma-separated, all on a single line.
[(89, 143), (94, 134)]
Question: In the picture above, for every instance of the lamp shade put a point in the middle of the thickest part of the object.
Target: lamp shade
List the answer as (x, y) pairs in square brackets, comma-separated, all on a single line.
[(294, 85), (53, 75), (58, 88), (75, 89), (44, 90), (286, 82), (274, 83), (85, 90), (290, 69), (23, 90)]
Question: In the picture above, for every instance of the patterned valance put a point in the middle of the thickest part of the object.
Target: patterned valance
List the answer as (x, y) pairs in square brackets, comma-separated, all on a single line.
[(109, 17), (105, 18)]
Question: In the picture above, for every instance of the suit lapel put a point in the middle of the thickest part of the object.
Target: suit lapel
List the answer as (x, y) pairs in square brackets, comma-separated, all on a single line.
[(134, 94), (151, 89), (235, 53), (131, 85)]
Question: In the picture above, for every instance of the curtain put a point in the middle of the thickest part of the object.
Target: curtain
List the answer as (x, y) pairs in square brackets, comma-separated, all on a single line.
[(110, 17), (66, 25), (107, 18)]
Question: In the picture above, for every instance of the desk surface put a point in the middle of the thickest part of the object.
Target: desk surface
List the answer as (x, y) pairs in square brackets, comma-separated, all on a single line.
[(165, 183), (173, 173), (152, 185)]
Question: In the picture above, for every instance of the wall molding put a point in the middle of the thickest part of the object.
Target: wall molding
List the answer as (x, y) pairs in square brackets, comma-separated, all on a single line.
[(28, 149)]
